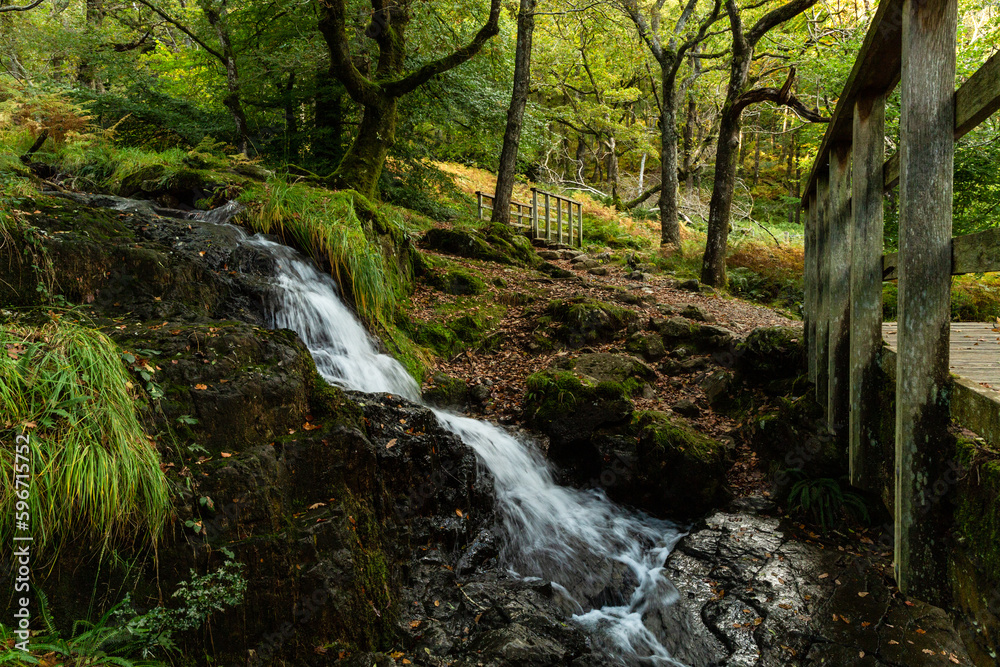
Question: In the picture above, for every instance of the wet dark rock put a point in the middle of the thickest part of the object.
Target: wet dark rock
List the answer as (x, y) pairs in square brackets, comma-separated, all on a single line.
[(479, 394), (674, 330), (569, 407), (691, 285), (718, 387)]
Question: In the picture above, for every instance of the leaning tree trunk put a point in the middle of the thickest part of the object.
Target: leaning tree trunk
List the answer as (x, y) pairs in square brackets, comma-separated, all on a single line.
[(515, 113), (713, 269), (670, 231), (362, 165)]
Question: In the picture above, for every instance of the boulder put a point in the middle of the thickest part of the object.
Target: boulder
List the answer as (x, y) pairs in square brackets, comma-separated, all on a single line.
[(607, 367), (771, 353), (691, 285), (648, 345), (550, 254), (445, 391), (579, 321), (693, 312), (598, 271), (569, 406)]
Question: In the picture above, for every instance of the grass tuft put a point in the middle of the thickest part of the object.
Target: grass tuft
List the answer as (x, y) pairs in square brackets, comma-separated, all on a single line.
[(93, 466)]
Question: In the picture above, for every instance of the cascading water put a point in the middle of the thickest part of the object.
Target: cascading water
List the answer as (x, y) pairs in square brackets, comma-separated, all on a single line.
[(578, 540)]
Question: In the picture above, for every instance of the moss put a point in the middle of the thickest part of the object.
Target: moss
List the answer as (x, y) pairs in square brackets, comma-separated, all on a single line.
[(456, 281), (446, 391), (551, 393), (329, 403), (978, 512), (667, 435), (583, 320), (771, 353), (375, 588)]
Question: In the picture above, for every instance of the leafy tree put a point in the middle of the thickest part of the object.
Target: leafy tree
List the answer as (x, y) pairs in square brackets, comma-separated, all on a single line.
[(378, 92)]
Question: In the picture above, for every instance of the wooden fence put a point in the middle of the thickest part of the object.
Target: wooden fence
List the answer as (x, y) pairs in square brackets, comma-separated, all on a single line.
[(911, 43), (544, 216)]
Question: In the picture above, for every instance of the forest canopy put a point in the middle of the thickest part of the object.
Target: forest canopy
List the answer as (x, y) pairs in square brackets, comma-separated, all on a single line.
[(623, 96)]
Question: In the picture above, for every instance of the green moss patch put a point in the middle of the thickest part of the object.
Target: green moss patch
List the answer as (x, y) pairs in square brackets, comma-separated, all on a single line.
[(580, 321)]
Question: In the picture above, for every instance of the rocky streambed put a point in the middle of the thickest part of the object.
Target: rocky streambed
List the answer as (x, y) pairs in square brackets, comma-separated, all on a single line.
[(369, 533)]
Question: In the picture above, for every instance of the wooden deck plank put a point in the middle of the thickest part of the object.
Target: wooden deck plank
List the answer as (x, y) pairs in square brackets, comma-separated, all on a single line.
[(974, 351)]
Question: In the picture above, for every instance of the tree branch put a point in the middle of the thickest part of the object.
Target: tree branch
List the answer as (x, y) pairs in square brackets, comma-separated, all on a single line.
[(23, 8), (456, 58), (776, 16), (332, 26), (783, 97), (183, 29)]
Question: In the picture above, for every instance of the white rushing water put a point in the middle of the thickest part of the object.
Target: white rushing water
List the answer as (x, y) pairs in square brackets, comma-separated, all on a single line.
[(578, 540)]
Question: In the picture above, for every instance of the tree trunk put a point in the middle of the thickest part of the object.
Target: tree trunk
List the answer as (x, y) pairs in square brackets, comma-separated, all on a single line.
[(756, 161), (232, 102), (689, 128), (362, 164), (713, 268), (613, 175), (86, 73), (670, 231), (515, 113), (328, 123), (291, 123)]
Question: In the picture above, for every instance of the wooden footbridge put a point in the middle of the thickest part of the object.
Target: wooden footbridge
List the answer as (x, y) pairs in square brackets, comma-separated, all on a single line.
[(910, 44)]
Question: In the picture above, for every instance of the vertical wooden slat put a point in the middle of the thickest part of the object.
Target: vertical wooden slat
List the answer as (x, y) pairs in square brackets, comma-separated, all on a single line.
[(548, 233), (809, 285), (926, 128), (839, 241), (569, 219), (534, 213), (868, 153), (559, 208), (822, 287), (579, 223), (479, 198)]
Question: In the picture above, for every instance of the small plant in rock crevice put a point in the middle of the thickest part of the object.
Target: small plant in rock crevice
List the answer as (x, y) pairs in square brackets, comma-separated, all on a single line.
[(825, 501)]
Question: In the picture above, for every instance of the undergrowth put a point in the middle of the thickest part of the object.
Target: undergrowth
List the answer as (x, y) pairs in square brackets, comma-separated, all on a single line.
[(93, 466)]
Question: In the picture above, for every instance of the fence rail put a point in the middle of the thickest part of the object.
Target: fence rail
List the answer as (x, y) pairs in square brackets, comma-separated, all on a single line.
[(845, 264), (544, 214)]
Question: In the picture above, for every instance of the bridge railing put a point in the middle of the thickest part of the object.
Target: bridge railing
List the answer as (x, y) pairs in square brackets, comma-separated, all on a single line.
[(912, 44), (544, 216)]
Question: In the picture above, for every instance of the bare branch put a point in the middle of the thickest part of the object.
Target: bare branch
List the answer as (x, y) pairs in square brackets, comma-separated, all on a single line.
[(183, 29)]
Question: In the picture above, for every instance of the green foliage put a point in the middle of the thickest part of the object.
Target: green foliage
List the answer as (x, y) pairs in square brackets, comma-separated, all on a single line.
[(327, 227), (94, 468), (825, 502), (123, 638)]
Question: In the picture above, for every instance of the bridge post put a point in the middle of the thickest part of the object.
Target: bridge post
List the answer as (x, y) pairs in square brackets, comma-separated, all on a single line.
[(534, 213), (926, 127), (868, 155), (809, 287), (839, 351), (822, 288)]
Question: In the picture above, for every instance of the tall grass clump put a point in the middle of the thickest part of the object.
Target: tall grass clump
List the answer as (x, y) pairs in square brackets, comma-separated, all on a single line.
[(326, 226), (93, 467)]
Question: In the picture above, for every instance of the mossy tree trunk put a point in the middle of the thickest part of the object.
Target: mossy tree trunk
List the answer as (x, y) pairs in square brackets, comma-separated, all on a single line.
[(670, 56), (713, 267), (378, 92)]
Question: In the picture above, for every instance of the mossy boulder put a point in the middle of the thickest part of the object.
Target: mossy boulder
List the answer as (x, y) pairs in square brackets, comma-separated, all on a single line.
[(580, 321), (456, 281), (623, 369), (674, 330), (445, 391), (648, 345), (569, 406), (771, 353), (493, 246), (679, 471)]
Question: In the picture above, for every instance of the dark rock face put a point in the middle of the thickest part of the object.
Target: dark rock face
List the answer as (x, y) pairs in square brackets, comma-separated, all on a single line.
[(774, 353), (754, 593), (580, 321)]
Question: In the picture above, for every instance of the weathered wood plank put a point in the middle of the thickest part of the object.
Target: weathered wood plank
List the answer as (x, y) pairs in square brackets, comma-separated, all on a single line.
[(970, 253), (838, 396), (822, 288), (875, 70), (810, 280), (927, 146), (979, 97), (868, 151), (890, 172)]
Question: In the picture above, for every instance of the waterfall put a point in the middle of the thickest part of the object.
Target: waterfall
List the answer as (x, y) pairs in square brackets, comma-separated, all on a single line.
[(578, 540)]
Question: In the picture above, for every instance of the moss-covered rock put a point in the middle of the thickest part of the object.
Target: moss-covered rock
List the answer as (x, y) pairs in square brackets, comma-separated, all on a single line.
[(580, 321), (445, 391), (648, 345), (456, 281), (771, 353), (623, 369), (678, 471), (569, 406), (493, 246)]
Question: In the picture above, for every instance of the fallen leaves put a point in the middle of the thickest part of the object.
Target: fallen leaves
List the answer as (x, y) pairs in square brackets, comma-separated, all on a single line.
[(201, 387)]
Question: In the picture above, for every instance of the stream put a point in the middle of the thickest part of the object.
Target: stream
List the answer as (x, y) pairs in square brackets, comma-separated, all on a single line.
[(579, 540)]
